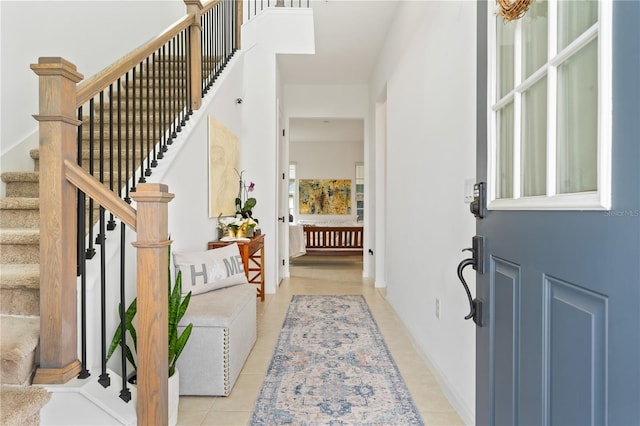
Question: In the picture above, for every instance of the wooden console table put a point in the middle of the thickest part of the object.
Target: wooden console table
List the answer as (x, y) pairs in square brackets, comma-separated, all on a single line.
[(252, 260)]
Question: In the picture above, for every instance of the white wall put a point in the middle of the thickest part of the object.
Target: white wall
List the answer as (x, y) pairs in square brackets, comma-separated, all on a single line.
[(327, 160), (427, 71), (89, 34), (274, 31)]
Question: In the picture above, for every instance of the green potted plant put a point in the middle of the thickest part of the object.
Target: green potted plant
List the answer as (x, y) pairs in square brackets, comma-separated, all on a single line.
[(177, 341)]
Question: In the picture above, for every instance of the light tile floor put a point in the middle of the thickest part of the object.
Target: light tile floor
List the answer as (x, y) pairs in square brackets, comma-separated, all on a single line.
[(320, 275)]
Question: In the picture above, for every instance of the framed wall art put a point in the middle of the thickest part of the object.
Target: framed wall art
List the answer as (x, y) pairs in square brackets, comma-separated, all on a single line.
[(324, 196), (223, 163)]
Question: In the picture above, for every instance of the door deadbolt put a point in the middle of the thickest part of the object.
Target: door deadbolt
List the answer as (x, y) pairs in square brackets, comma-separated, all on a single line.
[(479, 203)]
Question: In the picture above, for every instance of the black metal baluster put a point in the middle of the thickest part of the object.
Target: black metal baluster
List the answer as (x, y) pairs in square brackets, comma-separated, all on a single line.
[(213, 47), (104, 378), (217, 40), (80, 210), (225, 14), (211, 60), (141, 179), (81, 262), (111, 225), (147, 172), (178, 63), (163, 90), (154, 162), (125, 393), (185, 77), (126, 139), (133, 130), (101, 138), (90, 251), (179, 56), (100, 237), (119, 113), (223, 35), (84, 372), (174, 91), (204, 49), (172, 133), (160, 108)]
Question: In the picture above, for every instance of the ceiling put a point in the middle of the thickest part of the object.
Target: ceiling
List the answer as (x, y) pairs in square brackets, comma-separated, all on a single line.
[(349, 35), (325, 130)]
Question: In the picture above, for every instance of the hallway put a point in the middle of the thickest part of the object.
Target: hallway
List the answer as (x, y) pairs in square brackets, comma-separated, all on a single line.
[(320, 275)]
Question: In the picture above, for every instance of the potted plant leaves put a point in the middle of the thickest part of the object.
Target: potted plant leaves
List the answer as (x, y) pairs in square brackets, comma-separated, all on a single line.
[(176, 341)]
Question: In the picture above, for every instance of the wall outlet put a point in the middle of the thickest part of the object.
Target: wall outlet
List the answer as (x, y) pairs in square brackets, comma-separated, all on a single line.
[(437, 308)]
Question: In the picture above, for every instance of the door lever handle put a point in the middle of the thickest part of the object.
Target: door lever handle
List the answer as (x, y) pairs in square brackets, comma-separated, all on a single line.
[(461, 266), (477, 262), (281, 219)]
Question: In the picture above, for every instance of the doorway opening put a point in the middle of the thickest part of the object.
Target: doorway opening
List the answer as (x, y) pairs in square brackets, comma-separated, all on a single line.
[(326, 204)]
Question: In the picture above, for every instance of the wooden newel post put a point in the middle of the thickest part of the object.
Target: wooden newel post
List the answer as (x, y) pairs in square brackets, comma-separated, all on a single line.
[(153, 287), (58, 127), (195, 53)]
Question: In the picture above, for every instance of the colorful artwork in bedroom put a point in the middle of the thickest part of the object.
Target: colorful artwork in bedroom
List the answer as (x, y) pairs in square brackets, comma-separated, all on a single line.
[(325, 196)]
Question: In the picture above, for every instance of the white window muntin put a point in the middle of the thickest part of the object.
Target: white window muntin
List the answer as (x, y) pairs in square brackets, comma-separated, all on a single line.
[(592, 200)]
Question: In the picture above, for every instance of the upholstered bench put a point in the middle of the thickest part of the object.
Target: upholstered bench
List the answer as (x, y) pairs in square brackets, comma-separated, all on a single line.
[(224, 332)]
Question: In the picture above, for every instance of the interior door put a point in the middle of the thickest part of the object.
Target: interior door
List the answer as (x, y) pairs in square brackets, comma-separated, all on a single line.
[(559, 342)]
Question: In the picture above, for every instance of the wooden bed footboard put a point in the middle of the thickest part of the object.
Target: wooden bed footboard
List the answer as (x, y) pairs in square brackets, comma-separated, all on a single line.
[(333, 239)]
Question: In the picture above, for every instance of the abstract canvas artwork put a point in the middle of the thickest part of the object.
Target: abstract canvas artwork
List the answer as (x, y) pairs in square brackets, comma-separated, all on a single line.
[(223, 162), (325, 196)]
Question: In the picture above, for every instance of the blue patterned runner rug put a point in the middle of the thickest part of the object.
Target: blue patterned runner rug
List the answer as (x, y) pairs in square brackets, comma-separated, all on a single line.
[(331, 366)]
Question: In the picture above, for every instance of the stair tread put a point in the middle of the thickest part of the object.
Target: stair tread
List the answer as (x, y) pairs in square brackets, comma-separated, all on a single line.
[(22, 404), (19, 336), (19, 203), (20, 176), (20, 236), (20, 276)]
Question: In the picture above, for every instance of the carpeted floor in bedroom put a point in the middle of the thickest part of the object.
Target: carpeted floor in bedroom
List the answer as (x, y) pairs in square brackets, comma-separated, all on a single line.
[(320, 275)]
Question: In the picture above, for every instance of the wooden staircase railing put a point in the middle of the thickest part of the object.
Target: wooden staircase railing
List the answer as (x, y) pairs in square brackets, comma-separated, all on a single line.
[(63, 181), (59, 178), (60, 102)]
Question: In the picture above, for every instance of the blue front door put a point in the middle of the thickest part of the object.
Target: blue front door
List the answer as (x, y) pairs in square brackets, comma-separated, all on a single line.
[(560, 340)]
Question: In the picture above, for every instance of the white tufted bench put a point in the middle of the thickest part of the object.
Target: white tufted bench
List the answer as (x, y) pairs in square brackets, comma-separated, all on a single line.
[(224, 332)]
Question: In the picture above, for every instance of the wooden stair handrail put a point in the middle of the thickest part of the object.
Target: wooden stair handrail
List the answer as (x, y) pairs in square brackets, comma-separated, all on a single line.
[(100, 193), (100, 81)]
